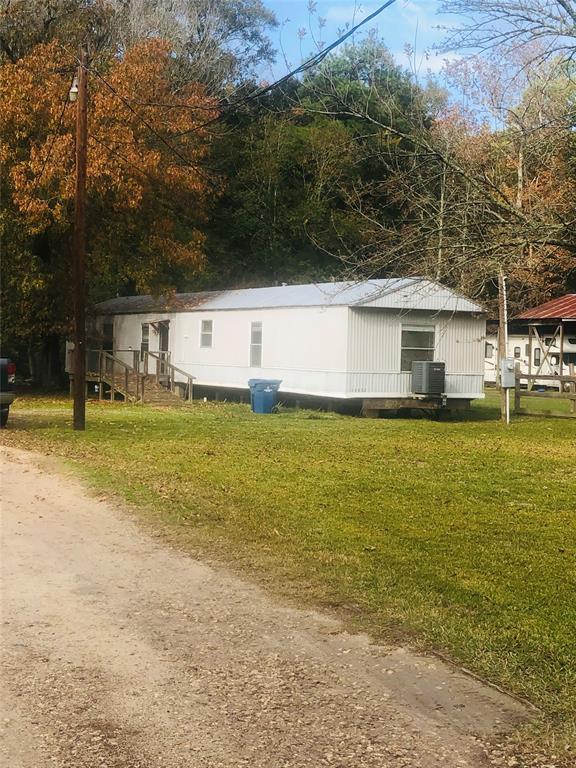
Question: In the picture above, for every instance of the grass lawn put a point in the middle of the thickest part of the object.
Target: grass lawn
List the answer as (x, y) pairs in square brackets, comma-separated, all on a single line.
[(459, 536)]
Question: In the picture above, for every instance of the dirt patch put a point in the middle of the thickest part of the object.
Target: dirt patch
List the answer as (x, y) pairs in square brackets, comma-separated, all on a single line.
[(121, 652)]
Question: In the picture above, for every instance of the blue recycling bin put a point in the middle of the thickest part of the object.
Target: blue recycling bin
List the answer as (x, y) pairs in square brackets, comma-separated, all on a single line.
[(263, 394)]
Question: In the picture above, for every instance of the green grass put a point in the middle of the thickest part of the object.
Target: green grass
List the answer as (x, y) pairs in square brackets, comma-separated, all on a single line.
[(458, 536), (533, 405)]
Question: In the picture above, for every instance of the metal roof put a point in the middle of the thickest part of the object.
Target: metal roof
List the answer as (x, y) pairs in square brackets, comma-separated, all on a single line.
[(562, 308), (393, 293)]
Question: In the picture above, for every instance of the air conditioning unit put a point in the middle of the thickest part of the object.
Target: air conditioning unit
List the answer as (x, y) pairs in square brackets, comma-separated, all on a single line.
[(428, 377)]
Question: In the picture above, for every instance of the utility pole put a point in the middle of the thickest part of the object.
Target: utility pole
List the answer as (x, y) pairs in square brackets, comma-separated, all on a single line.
[(80, 95)]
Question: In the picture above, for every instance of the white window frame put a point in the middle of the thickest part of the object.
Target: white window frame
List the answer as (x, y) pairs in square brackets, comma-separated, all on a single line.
[(422, 328), (206, 335), (256, 347)]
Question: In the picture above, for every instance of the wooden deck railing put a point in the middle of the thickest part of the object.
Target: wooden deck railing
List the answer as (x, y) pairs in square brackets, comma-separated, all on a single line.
[(164, 368), (130, 378), (566, 389)]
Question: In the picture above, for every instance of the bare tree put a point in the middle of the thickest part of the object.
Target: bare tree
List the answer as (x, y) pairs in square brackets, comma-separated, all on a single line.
[(512, 23), (473, 201), (216, 42)]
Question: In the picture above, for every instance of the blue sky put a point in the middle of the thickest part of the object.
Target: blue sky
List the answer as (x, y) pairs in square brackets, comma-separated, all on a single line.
[(406, 23)]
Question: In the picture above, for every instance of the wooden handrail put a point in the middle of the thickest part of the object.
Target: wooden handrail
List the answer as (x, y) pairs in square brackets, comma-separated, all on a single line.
[(560, 377), (158, 356), (121, 368)]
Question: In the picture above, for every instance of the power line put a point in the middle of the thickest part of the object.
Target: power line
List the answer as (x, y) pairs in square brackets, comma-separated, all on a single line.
[(311, 62), (50, 148), (142, 119), (257, 93), (148, 125), (157, 181), (308, 64)]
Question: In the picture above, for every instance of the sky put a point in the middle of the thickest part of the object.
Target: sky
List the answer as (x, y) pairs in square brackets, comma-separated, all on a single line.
[(412, 23)]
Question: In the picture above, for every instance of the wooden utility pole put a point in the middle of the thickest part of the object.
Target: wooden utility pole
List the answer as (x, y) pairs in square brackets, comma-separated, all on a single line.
[(79, 253)]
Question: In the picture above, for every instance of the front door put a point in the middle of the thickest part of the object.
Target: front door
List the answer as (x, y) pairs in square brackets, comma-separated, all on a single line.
[(163, 345)]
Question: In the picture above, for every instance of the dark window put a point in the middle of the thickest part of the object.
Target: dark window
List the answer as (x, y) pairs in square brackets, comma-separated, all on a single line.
[(108, 337), (206, 334), (537, 356), (489, 350), (256, 345), (517, 352), (145, 341), (417, 344)]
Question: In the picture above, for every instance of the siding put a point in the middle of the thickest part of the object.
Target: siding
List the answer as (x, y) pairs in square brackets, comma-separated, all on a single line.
[(374, 349), (331, 352)]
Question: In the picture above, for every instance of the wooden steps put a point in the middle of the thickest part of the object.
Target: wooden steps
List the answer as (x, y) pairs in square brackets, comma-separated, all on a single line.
[(155, 393)]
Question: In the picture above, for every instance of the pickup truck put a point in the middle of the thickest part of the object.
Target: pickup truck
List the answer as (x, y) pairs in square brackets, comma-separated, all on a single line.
[(7, 376)]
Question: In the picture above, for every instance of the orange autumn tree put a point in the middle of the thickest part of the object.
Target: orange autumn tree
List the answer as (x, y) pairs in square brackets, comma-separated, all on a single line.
[(147, 203)]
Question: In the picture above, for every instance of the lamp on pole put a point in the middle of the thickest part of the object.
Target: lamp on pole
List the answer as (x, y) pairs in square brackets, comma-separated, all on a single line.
[(79, 94)]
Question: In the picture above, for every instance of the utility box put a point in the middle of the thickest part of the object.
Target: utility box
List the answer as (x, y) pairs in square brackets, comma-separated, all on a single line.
[(428, 377), (507, 373)]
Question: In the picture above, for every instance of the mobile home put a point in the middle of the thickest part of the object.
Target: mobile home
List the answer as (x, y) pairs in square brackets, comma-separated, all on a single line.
[(340, 340)]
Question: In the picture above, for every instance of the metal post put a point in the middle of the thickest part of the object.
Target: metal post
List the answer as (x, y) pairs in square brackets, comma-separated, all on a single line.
[(79, 270), (502, 340)]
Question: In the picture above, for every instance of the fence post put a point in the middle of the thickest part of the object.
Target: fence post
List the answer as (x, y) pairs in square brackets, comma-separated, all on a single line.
[(126, 385), (572, 387), (517, 389), (112, 379)]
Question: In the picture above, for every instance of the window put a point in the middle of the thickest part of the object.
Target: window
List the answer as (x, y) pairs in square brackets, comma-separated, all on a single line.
[(417, 344), (489, 350), (256, 345), (537, 356), (517, 352), (108, 337), (206, 333), (145, 341)]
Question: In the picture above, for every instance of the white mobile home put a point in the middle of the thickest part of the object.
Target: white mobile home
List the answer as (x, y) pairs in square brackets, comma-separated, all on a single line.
[(541, 340), (334, 340), (528, 357)]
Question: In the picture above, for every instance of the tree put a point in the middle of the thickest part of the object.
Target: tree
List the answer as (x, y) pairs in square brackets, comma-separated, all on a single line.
[(147, 203), (509, 24), (25, 24), (218, 44), (215, 43), (470, 199), (286, 213)]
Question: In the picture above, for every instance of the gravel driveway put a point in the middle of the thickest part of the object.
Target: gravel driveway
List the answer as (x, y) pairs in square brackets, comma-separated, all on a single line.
[(120, 652)]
